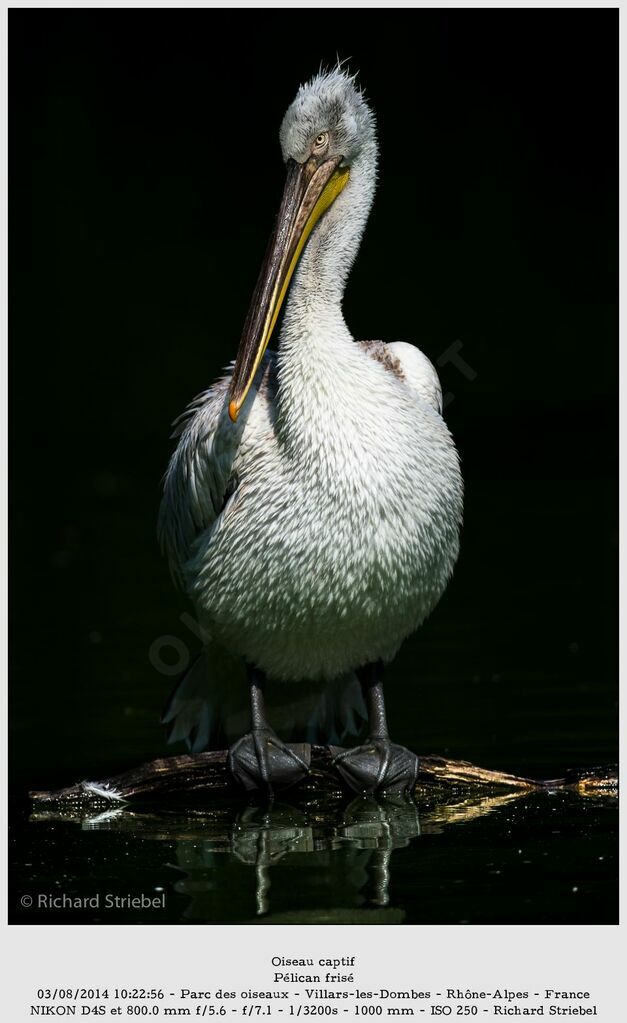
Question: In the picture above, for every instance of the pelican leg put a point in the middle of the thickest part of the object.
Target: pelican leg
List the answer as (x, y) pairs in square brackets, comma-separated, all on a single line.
[(260, 760), (378, 765)]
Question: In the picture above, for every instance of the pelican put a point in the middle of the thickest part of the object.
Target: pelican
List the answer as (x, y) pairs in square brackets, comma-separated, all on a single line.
[(312, 507)]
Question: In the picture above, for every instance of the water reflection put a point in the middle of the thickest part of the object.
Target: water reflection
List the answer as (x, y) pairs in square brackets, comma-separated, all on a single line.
[(356, 850), (246, 862)]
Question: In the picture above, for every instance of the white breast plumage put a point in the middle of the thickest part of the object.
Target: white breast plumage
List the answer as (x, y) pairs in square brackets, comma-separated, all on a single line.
[(327, 556)]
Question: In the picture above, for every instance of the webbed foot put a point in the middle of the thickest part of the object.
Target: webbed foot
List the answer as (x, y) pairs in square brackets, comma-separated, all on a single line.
[(377, 766), (260, 760)]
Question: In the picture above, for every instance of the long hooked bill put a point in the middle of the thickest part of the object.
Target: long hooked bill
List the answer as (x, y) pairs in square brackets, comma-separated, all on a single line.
[(310, 189)]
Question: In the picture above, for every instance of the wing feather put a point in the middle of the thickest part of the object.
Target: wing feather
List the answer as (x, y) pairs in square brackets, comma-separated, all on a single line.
[(202, 476), (199, 474)]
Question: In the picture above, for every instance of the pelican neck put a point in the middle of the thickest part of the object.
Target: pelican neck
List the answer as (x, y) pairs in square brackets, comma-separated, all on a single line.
[(314, 331)]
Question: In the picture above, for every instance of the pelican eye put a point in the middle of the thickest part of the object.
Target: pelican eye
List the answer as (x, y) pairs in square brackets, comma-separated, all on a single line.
[(321, 141)]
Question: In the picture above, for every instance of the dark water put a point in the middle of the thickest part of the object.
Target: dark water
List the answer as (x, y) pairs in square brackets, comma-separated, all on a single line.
[(494, 859)]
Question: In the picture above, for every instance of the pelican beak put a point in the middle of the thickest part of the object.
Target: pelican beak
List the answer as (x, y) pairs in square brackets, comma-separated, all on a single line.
[(310, 189)]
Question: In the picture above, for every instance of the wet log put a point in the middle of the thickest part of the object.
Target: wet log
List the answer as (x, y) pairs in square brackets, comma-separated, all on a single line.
[(204, 778)]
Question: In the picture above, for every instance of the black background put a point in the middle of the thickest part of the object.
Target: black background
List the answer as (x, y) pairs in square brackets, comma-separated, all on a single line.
[(145, 173)]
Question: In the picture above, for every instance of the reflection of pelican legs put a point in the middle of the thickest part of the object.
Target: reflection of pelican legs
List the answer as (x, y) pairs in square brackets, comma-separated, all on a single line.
[(262, 836), (381, 825), (262, 873), (378, 765), (260, 759), (379, 870), (368, 833)]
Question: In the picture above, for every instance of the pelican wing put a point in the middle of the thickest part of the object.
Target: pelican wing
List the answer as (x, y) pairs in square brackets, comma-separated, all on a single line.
[(409, 364), (200, 477)]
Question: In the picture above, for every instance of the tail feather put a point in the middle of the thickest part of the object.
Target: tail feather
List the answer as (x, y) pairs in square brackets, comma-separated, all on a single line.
[(204, 699), (340, 712), (209, 707)]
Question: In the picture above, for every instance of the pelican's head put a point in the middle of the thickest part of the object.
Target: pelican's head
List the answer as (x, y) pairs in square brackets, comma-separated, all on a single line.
[(329, 115), (324, 132)]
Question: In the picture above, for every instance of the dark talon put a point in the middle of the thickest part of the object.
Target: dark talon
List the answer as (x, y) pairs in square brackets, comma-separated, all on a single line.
[(260, 760), (377, 766)]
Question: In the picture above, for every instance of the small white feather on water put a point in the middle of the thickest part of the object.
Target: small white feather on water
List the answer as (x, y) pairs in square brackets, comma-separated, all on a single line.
[(94, 788)]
